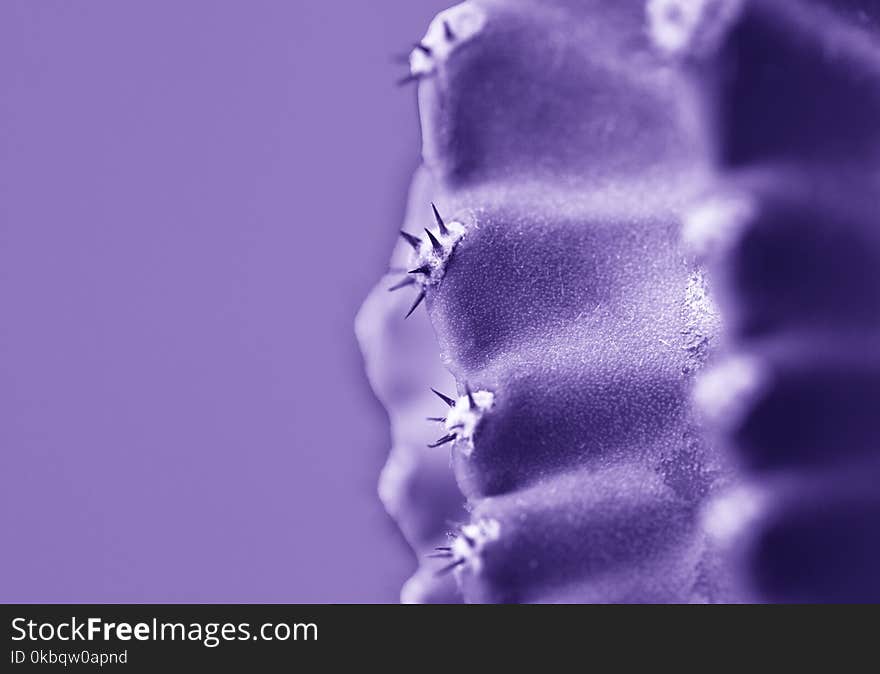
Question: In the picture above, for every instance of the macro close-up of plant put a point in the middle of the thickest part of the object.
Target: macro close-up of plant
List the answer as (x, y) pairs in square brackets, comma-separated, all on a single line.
[(628, 340), (314, 310)]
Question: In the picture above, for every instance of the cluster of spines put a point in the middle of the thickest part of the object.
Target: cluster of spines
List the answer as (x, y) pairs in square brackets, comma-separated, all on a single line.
[(447, 553), (451, 403), (426, 273), (466, 545)]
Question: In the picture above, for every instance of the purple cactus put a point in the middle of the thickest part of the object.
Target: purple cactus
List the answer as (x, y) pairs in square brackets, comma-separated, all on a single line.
[(792, 93), (582, 161)]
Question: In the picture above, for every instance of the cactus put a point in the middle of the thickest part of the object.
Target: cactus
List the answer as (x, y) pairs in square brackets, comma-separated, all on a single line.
[(562, 304), (789, 231), (566, 145)]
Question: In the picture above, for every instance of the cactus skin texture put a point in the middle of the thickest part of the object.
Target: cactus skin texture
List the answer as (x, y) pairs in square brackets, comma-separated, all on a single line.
[(789, 229), (574, 141)]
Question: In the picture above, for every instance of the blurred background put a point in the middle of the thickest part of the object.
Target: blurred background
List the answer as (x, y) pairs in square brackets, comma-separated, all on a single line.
[(194, 199)]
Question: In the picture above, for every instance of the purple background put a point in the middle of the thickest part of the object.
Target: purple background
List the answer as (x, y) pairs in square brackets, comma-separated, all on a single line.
[(194, 198)]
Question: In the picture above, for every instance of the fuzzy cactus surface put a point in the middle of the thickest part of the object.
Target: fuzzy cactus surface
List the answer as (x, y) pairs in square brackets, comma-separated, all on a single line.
[(593, 172)]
